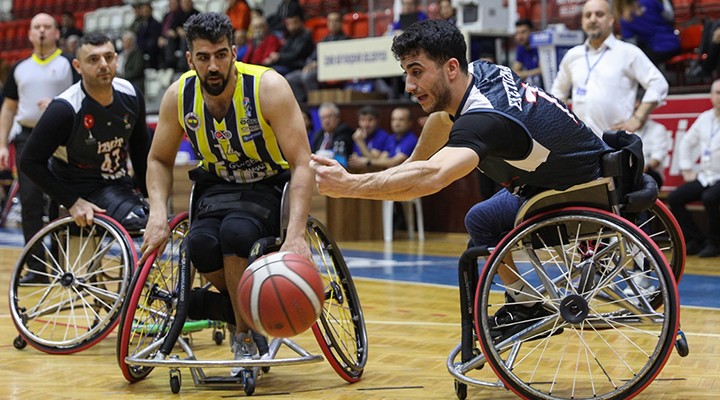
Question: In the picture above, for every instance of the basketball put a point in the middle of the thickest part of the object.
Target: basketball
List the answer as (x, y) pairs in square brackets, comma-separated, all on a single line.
[(281, 294)]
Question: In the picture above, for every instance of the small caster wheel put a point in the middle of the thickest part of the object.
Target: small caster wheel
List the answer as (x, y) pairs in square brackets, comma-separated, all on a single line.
[(249, 382), (681, 344), (19, 343), (218, 337), (265, 369), (175, 381), (460, 390)]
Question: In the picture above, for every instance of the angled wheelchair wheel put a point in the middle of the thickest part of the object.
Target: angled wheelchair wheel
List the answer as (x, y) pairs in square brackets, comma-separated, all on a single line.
[(340, 330), (151, 305), (662, 227), (85, 274), (588, 330)]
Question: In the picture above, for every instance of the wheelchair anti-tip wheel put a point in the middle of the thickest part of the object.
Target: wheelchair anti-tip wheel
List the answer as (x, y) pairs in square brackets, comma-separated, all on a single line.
[(340, 330), (588, 331), (151, 305), (86, 275)]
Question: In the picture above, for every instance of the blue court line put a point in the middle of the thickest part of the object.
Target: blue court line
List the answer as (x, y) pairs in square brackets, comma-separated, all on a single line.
[(695, 290)]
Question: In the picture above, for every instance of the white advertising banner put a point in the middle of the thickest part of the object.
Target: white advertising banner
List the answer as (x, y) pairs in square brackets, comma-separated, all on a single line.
[(357, 58)]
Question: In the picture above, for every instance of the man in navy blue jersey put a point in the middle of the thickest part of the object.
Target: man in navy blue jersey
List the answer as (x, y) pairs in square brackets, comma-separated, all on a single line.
[(482, 117), (78, 151)]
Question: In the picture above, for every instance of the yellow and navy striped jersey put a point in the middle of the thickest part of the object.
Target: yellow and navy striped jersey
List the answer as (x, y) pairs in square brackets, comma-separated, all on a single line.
[(241, 147)]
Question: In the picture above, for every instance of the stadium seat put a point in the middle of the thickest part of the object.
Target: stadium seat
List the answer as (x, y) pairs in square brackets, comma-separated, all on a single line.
[(690, 38)]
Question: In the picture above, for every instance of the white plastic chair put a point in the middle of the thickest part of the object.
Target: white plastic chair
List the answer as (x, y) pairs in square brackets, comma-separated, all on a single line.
[(407, 206)]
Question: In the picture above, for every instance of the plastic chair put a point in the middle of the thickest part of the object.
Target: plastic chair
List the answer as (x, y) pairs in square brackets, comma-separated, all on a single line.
[(387, 212)]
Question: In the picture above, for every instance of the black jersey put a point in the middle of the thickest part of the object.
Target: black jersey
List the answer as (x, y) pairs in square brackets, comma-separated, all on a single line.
[(90, 143), (539, 144)]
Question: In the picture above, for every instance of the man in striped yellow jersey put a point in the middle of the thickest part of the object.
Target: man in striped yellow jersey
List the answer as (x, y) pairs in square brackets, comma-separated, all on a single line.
[(246, 128)]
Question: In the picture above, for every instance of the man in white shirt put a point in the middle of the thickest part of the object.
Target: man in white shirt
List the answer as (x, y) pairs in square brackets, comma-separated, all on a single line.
[(702, 180), (602, 76)]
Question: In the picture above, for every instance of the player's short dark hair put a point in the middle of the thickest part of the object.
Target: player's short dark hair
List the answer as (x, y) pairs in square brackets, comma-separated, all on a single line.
[(439, 39), (368, 110), (210, 26), (94, 39), (524, 22)]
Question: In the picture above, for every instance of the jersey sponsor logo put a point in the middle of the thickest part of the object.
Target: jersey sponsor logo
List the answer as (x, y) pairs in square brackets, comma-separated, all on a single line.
[(251, 136), (513, 96), (126, 121), (219, 135), (88, 121), (192, 121), (247, 107)]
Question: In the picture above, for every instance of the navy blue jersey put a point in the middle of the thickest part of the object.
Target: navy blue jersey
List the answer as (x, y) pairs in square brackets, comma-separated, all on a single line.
[(88, 142), (538, 144)]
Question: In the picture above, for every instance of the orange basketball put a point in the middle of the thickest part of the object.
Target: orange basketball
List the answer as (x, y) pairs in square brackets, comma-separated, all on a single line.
[(281, 294)]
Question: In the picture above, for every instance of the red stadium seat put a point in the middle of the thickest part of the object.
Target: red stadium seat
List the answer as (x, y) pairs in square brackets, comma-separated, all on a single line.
[(356, 25), (690, 38)]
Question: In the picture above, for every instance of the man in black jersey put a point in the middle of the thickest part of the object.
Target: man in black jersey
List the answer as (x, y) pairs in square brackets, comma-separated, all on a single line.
[(30, 86), (78, 151), (482, 116)]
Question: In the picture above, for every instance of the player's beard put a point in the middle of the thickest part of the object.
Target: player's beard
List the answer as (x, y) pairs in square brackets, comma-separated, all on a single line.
[(215, 89), (441, 92)]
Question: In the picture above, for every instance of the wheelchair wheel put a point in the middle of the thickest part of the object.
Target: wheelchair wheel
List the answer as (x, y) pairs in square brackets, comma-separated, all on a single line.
[(664, 230), (152, 304), (86, 276), (589, 331), (340, 330)]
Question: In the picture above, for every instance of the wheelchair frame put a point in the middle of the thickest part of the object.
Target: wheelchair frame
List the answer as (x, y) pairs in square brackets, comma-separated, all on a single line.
[(584, 260), (158, 296)]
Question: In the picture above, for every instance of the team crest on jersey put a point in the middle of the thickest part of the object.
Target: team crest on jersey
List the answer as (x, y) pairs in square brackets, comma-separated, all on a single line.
[(126, 121), (247, 107), (223, 135), (88, 121), (192, 121)]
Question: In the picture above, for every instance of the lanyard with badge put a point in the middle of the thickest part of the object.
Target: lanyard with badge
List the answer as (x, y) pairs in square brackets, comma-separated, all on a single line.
[(581, 91)]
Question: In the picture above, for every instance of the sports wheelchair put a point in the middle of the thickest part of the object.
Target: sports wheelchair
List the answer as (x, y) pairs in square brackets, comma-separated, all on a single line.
[(157, 308), (87, 273), (604, 311)]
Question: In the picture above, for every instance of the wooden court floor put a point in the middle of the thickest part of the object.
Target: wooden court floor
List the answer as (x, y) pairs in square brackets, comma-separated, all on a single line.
[(411, 330)]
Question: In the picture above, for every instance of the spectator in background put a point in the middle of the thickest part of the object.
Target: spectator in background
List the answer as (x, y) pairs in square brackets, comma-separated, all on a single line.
[(69, 47), (187, 10), (401, 141), (447, 11), (304, 80), (285, 8), (708, 52), (334, 138), (603, 75), (168, 41), (262, 43), (31, 85), (657, 143), (147, 32), (307, 120), (527, 62), (241, 43), (130, 63), (649, 24), (295, 50), (369, 138), (239, 13), (702, 180), (67, 26), (409, 14)]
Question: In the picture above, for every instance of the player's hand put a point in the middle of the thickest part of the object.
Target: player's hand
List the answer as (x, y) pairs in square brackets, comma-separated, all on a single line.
[(297, 245), (631, 125), (157, 233), (331, 178), (83, 212)]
